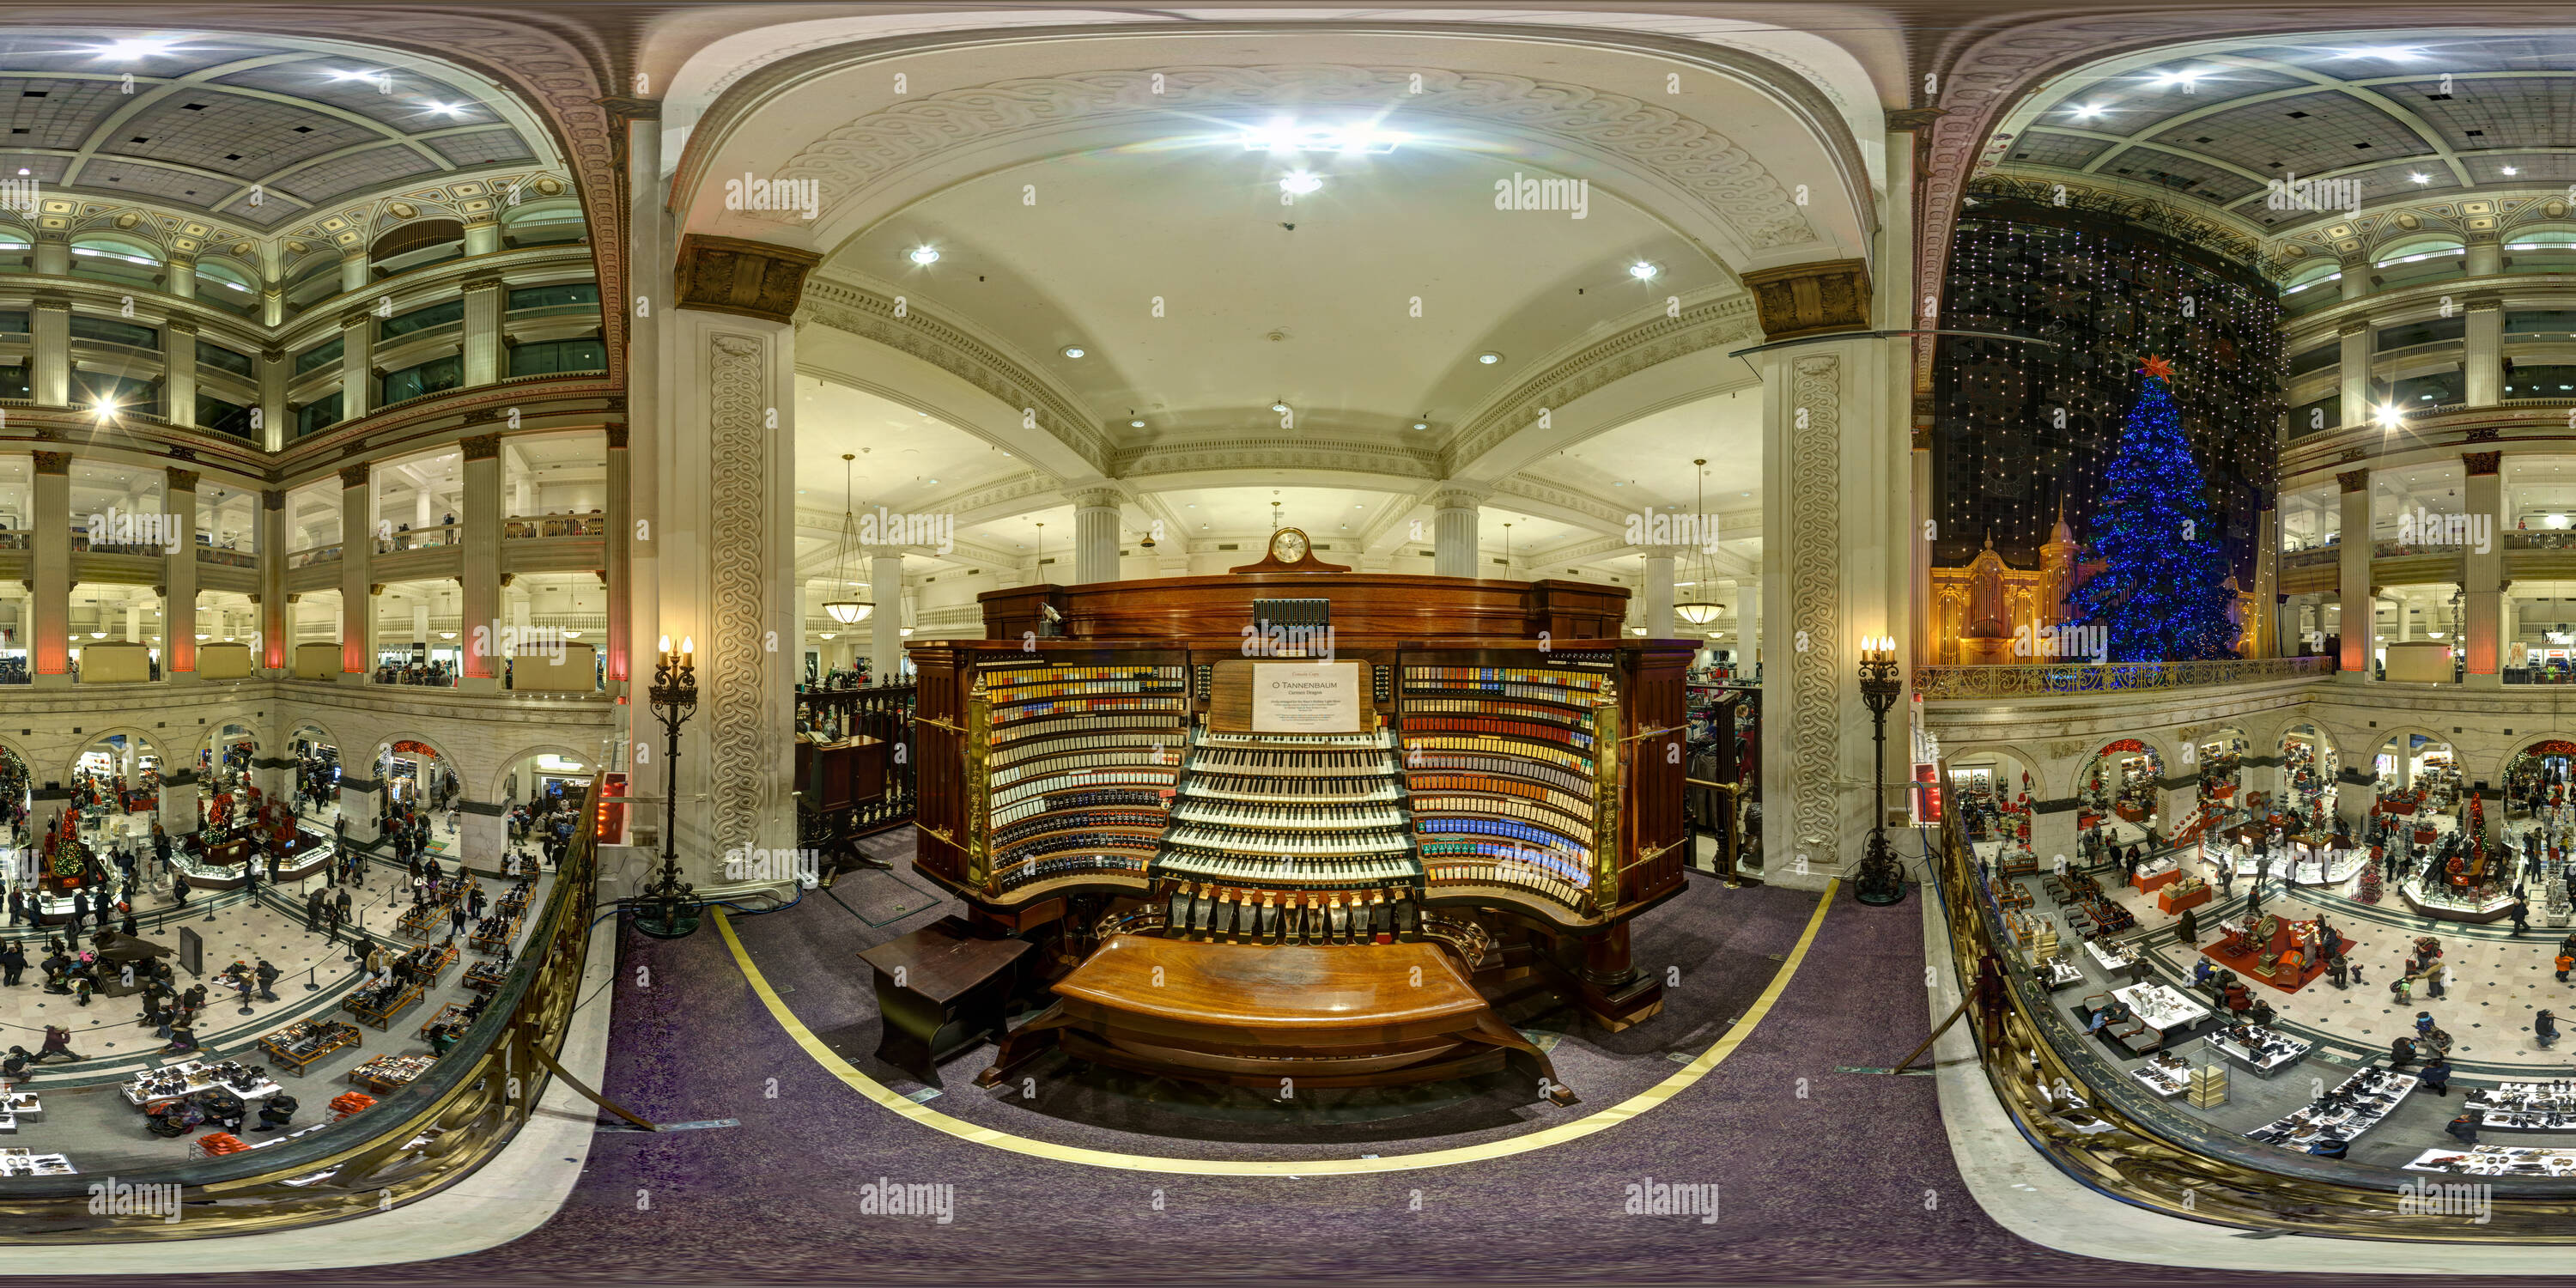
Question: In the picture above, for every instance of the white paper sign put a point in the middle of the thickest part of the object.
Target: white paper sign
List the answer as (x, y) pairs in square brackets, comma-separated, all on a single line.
[(1293, 697)]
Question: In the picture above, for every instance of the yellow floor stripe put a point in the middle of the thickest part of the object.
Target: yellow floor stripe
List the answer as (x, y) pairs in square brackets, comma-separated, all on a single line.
[(1543, 1139)]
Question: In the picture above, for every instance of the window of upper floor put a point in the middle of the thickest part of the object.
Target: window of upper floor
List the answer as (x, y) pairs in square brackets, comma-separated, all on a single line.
[(588, 353), (550, 222), (211, 355), (2407, 335), (228, 287), (418, 244), (2540, 250), (319, 414), (110, 258), (325, 354), (429, 318)]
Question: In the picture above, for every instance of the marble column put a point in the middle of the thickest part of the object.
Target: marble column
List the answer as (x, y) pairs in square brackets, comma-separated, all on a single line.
[(481, 341), (2481, 607), (479, 614), (2357, 404), (483, 833), (276, 651), (179, 365), (885, 625), (357, 558), (2052, 833), (1095, 536), (361, 800), (2485, 348), (2353, 586), (272, 424), (2485, 257), (1453, 529), (50, 572), (353, 271), (621, 544), (178, 805), (179, 582)]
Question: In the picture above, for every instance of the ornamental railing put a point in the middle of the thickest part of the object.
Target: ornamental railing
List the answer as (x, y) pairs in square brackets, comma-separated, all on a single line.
[(410, 1144), (2139, 1149), (2054, 679), (2318, 557), (2539, 540)]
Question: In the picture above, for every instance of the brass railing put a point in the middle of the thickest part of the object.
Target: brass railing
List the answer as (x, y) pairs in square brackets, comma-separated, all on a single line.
[(2052, 679), (2141, 1150), (410, 1144)]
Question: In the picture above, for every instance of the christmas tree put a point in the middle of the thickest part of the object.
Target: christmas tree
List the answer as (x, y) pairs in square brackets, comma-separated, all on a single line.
[(2160, 594)]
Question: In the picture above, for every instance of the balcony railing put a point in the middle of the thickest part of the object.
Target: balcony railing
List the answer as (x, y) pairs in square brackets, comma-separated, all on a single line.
[(2540, 541), (446, 534), (318, 554), (2317, 557), (566, 525), (229, 558), (17, 541), (2399, 549), (2113, 677)]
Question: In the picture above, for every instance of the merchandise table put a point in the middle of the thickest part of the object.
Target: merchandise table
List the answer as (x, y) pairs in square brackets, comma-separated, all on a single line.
[(2160, 1008), (486, 977), (2497, 1160), (509, 934), (2526, 1106), (2190, 892), (2057, 972), (27, 1162), (299, 1045), (2164, 1073), (2116, 962), (2268, 1053), (389, 1073), (450, 1012), (2156, 876), (2344, 1113), (438, 962), (187, 1078), (15, 1105), (380, 1011)]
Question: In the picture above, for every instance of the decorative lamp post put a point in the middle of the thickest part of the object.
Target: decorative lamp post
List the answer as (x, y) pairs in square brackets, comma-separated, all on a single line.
[(1882, 879), (668, 909)]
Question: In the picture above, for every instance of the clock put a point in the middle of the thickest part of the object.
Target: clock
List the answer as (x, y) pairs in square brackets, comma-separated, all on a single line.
[(1288, 545), (1290, 550)]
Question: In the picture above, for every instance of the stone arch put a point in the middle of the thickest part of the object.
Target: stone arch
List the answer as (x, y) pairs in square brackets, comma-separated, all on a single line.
[(2037, 765), (501, 770), (2521, 744), (71, 764), (2390, 733)]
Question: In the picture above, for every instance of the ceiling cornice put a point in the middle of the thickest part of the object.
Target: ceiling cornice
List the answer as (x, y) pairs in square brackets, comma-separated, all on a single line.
[(1277, 453), (1706, 324)]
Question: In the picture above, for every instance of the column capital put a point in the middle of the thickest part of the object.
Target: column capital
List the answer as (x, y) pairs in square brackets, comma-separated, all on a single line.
[(2482, 464), (181, 480), (273, 353), (1097, 496), (272, 499), (481, 447), (1459, 496), (63, 302), (1810, 299), (616, 436), (54, 463), (2486, 302), (354, 318), (353, 475), (2353, 326), (482, 283), (184, 326), (747, 278), (2353, 480)]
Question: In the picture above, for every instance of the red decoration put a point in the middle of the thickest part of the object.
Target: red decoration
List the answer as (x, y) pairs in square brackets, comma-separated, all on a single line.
[(2157, 368)]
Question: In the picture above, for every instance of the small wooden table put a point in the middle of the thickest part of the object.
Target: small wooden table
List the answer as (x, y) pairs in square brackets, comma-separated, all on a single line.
[(451, 1011), (940, 990), (336, 1037), (384, 1019)]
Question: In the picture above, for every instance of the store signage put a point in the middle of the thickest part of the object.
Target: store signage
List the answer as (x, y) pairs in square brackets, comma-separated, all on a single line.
[(612, 809), (1925, 799), (1289, 697)]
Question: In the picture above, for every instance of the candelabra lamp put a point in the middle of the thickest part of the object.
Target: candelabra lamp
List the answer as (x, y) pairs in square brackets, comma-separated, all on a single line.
[(669, 908), (1882, 879)]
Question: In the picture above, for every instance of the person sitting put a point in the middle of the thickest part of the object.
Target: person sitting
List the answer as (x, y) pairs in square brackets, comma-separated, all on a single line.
[(2464, 1128), (278, 1111), (2115, 1013), (2330, 1147), (2202, 972)]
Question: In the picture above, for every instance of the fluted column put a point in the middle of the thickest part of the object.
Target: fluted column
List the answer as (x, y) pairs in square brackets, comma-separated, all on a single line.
[(2485, 363), (53, 252), (2356, 371), (50, 331), (179, 583), (353, 270), (50, 571), (357, 551), (885, 625), (481, 517), (1453, 530), (1659, 592), (1095, 535), (2353, 584), (179, 362), (276, 650), (482, 338), (2483, 588), (274, 428), (357, 363), (2485, 254)]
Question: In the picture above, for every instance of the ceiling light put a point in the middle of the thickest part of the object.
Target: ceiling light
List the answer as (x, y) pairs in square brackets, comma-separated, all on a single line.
[(448, 109), (1073, 351), (1300, 182), (1135, 424), (98, 635), (2389, 417), (1421, 424), (904, 631), (1489, 357), (1288, 136), (105, 407), (2420, 178), (1279, 406), (1643, 271), (2179, 78), (2398, 52), (363, 74), (848, 612), (447, 635), (2087, 111), (572, 635), (2511, 171), (925, 255), (135, 47), (829, 635)]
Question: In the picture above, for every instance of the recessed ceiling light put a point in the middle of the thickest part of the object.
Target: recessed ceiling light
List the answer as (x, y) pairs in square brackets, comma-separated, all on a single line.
[(2510, 170), (2421, 178), (925, 255), (1421, 424), (1135, 424), (1073, 351), (1279, 406), (1300, 182), (1643, 271), (135, 47), (1287, 136), (1489, 357), (2087, 111)]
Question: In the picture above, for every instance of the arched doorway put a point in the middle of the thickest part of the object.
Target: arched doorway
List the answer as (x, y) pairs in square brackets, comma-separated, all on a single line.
[(2539, 814), (1991, 789), (418, 783), (2309, 766), (2416, 773), (2220, 754), (2119, 792), (317, 772)]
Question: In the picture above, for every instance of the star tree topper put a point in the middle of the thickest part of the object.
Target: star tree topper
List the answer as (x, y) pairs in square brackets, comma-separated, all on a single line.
[(2157, 368)]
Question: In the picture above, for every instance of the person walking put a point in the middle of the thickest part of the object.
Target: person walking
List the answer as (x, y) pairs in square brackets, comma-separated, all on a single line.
[(2521, 918), (179, 888), (13, 961), (2565, 963), (17, 905), (2436, 1076), (313, 911)]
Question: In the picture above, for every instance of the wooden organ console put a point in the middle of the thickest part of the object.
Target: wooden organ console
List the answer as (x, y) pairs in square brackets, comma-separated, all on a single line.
[(1246, 850)]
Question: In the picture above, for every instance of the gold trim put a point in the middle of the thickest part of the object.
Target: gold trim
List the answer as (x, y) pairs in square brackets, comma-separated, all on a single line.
[(1607, 749), (978, 822), (1546, 1138)]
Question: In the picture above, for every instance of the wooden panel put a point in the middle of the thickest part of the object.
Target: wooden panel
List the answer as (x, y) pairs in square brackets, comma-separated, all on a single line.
[(317, 661), (221, 661), (1298, 992), (118, 663), (1211, 612), (575, 671)]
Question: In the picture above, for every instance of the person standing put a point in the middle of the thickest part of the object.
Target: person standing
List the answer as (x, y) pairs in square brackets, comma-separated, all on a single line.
[(179, 888), (17, 906), (2521, 920), (13, 961), (313, 911)]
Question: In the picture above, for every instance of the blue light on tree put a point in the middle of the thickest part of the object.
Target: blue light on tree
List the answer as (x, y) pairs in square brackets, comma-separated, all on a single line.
[(2162, 593)]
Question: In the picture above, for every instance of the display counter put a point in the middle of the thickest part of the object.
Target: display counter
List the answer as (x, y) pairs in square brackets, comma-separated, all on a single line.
[(2341, 1114), (2526, 1106), (2259, 1050), (389, 1073), (2497, 1160), (300, 1045), (2442, 902), (188, 1077)]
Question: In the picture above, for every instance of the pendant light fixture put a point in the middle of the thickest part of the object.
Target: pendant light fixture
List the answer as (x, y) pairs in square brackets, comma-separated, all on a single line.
[(850, 610), (1700, 609)]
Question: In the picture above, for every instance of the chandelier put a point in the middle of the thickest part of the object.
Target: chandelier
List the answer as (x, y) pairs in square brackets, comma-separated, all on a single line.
[(1700, 609), (850, 610)]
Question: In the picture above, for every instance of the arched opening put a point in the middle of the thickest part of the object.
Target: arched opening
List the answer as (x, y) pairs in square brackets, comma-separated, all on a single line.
[(417, 244), (111, 258), (2309, 767), (1992, 789), (2120, 792)]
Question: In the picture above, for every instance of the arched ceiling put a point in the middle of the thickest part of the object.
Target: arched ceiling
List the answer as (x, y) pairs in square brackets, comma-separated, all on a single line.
[(253, 130), (2402, 116)]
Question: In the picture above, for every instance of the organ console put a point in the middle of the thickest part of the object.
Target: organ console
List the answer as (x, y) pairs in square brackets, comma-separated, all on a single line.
[(1301, 789)]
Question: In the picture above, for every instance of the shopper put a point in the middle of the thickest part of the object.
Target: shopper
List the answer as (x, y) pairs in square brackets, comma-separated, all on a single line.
[(179, 888), (2401, 1053), (2433, 974), (267, 976), (2521, 917), (2464, 1128), (2565, 964), (2544, 1028), (58, 1042), (2436, 1076)]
